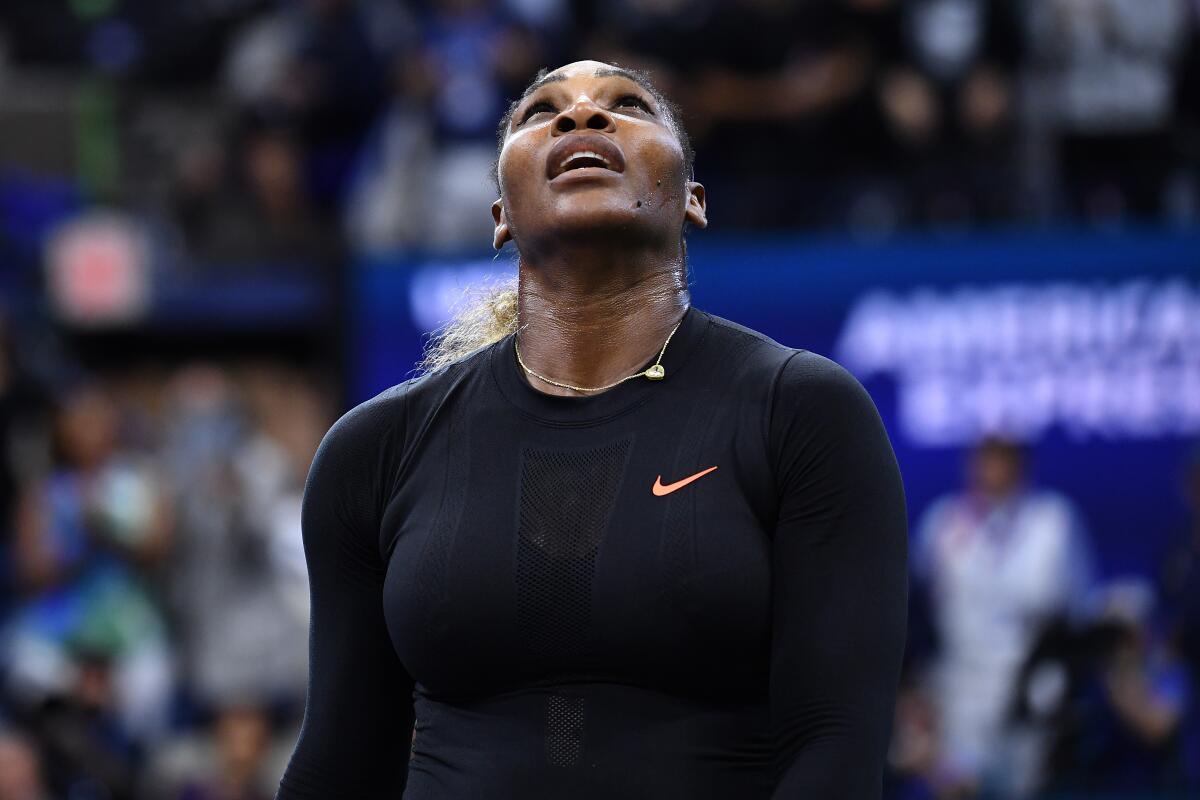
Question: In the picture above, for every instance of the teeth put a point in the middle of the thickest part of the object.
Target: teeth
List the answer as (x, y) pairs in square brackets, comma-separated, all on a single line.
[(583, 154)]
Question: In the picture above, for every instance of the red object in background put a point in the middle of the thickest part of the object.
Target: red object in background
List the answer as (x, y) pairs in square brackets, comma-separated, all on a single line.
[(97, 271)]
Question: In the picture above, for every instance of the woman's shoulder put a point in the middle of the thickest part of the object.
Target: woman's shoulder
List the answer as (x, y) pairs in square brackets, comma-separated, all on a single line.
[(375, 418), (391, 408), (381, 425), (352, 446), (791, 371), (745, 336)]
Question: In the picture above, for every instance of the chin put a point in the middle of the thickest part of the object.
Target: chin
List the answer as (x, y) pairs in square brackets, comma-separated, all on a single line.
[(596, 212)]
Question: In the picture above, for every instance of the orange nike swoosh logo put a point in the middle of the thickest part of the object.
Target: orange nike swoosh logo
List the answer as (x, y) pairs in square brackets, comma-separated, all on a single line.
[(659, 490)]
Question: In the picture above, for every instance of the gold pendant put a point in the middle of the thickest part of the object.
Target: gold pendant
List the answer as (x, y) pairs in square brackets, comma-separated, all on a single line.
[(656, 373)]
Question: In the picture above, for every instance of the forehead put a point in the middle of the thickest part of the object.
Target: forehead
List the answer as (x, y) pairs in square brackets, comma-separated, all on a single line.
[(581, 70)]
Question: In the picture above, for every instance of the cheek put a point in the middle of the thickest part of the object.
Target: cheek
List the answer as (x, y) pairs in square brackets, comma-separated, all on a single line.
[(662, 166), (519, 171)]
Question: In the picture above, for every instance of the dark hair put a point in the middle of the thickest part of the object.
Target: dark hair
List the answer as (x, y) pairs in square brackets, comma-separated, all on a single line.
[(641, 78), (995, 445)]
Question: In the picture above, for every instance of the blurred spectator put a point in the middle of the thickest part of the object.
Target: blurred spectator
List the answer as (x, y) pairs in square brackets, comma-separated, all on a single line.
[(310, 81), (19, 418), (1002, 561), (239, 599), (386, 207), (1115, 696), (1181, 571), (654, 35), (1105, 73), (232, 760), (1142, 693), (85, 531), (914, 757), (437, 140), (336, 85), (946, 91), (1181, 593), (1184, 194), (86, 746), (255, 208), (20, 769), (766, 119)]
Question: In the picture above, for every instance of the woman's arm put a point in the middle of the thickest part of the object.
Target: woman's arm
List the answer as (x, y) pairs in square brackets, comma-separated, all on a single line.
[(358, 717), (839, 584)]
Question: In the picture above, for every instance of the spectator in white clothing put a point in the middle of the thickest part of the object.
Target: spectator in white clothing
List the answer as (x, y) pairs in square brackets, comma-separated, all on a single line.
[(1000, 561)]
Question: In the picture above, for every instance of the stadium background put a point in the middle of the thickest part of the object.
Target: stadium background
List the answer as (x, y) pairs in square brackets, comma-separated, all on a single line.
[(223, 222)]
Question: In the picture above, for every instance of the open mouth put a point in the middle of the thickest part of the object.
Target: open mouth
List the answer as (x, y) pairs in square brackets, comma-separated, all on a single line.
[(584, 158), (583, 151)]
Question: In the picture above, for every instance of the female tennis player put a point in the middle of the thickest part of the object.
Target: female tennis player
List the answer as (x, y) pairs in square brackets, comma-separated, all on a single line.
[(623, 549)]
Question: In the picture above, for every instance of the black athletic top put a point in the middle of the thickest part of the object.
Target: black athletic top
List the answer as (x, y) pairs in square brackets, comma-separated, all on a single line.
[(687, 588)]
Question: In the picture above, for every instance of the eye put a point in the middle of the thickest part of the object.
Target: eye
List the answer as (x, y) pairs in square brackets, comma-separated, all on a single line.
[(536, 108), (633, 100)]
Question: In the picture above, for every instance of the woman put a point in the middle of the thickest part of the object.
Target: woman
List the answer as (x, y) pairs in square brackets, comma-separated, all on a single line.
[(633, 550)]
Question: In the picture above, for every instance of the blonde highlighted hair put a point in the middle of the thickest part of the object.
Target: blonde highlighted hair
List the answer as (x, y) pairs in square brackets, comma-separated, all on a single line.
[(487, 315)]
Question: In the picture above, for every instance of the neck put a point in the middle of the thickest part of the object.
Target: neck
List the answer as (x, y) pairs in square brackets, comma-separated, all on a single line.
[(590, 317), (997, 496)]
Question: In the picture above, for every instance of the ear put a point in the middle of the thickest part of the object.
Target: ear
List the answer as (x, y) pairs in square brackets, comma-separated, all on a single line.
[(696, 212), (501, 234)]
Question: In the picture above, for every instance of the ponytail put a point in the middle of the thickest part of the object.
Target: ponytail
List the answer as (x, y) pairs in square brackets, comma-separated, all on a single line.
[(489, 316)]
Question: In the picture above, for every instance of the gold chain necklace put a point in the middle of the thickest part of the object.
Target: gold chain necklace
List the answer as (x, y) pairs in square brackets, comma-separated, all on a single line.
[(654, 373)]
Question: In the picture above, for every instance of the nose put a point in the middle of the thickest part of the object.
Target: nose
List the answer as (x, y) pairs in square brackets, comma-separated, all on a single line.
[(583, 114)]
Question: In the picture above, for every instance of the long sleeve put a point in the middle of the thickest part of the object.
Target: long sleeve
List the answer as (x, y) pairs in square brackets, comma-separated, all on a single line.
[(358, 719), (839, 584)]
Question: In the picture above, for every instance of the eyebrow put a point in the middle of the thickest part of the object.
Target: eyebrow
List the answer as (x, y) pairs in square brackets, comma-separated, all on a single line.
[(608, 72), (603, 72)]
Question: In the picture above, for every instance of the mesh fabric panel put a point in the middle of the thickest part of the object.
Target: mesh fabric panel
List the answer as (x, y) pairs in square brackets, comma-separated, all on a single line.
[(566, 500)]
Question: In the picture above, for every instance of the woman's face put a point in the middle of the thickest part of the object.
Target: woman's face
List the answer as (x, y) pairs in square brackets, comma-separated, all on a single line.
[(590, 152)]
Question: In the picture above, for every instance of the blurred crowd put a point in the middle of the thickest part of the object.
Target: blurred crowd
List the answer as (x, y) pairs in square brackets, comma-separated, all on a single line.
[(153, 593), (291, 128), (1026, 673)]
